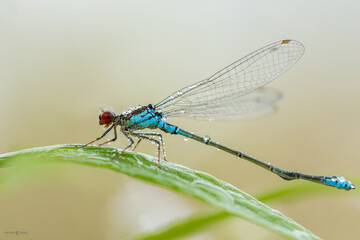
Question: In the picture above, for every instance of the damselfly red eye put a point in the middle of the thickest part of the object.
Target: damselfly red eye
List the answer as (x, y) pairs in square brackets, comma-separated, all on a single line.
[(106, 117)]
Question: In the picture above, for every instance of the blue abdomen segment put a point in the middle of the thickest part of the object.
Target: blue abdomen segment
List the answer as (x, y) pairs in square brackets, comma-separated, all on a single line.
[(175, 130), (168, 127), (339, 182)]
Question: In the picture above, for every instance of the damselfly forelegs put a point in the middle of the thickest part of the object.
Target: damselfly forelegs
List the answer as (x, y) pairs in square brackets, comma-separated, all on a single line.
[(140, 136)]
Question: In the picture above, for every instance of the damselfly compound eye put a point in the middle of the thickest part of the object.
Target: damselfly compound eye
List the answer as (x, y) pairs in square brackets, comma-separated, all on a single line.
[(106, 118)]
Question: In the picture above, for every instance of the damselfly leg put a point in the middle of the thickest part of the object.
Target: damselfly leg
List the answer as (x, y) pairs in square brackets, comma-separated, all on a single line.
[(156, 135), (99, 138), (157, 142), (111, 140)]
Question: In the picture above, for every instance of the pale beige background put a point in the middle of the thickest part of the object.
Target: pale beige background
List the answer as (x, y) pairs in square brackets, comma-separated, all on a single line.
[(61, 60)]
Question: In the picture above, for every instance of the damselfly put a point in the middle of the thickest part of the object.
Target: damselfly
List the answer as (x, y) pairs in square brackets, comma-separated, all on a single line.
[(234, 92)]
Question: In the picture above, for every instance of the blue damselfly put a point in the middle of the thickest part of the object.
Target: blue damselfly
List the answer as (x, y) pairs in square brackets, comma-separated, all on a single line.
[(233, 93)]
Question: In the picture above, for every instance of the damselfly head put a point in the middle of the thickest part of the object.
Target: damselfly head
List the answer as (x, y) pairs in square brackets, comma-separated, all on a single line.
[(106, 118)]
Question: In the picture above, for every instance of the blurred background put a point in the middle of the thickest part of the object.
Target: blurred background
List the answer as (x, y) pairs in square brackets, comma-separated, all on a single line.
[(62, 60)]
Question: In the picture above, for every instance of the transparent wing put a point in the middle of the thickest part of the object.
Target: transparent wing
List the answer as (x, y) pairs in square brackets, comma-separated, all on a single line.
[(258, 103), (223, 90)]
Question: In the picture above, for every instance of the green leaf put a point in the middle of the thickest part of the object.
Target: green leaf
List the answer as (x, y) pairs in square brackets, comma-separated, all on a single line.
[(176, 177)]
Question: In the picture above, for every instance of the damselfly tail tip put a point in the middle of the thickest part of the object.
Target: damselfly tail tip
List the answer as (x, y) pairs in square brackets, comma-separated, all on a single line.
[(347, 185), (339, 182)]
